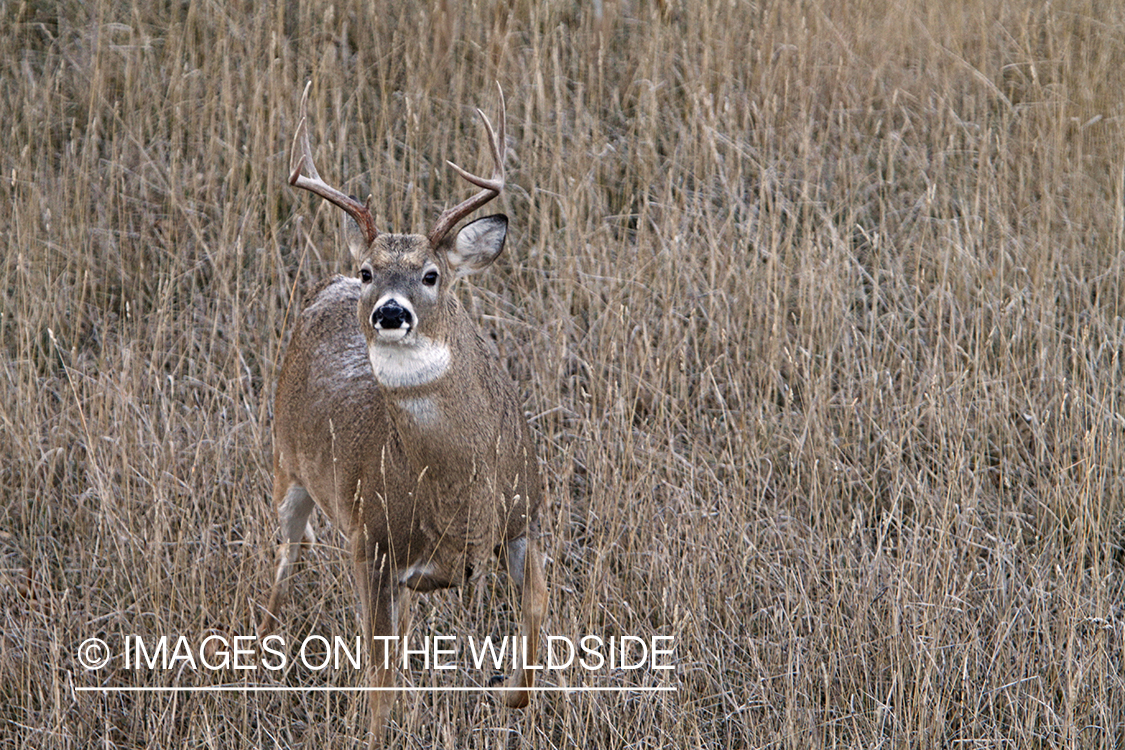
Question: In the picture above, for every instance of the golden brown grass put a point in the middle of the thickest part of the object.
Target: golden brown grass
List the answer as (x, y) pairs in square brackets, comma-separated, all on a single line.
[(817, 308)]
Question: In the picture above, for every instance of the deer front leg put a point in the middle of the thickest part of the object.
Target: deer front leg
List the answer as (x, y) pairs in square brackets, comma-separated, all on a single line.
[(525, 567), (293, 505), (378, 599)]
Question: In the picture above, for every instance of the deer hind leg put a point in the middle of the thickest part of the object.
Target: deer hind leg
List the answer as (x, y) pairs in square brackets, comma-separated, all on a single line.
[(525, 567), (382, 603), (293, 509)]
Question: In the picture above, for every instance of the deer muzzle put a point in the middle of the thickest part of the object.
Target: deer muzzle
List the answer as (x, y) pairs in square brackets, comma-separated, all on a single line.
[(390, 316)]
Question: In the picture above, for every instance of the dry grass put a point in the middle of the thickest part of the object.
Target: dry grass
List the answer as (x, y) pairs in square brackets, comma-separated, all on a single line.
[(817, 305)]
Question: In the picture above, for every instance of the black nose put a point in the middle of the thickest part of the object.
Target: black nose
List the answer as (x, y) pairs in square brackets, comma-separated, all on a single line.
[(391, 315)]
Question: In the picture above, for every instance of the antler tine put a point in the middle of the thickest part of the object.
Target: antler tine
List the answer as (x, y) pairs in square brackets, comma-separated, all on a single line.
[(301, 162), (490, 188)]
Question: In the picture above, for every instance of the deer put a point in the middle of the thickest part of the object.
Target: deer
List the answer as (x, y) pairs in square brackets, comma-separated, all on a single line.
[(395, 418)]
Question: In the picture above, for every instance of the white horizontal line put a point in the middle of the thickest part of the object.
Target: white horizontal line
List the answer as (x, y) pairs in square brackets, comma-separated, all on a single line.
[(322, 689)]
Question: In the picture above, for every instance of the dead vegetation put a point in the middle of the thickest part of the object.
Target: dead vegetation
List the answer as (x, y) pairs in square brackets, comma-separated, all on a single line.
[(816, 308)]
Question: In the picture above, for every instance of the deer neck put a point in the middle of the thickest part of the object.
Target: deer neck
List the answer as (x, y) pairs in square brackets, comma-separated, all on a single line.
[(424, 361), (406, 367), (436, 402)]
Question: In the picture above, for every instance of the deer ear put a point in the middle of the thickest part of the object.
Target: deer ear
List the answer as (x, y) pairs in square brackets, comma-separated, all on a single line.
[(477, 245), (353, 235)]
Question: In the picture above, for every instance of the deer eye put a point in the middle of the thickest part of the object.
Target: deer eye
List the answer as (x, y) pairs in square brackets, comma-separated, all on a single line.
[(365, 275), (430, 278)]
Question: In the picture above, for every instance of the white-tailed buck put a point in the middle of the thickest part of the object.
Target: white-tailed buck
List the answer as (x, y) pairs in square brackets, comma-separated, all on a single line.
[(395, 417)]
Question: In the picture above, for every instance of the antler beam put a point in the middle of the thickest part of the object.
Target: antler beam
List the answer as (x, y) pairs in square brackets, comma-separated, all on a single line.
[(490, 188), (303, 174)]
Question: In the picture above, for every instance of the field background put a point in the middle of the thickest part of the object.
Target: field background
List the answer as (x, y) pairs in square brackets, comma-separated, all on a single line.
[(817, 309)]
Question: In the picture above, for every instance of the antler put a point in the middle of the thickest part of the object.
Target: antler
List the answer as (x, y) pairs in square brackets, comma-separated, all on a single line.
[(302, 161), (491, 187)]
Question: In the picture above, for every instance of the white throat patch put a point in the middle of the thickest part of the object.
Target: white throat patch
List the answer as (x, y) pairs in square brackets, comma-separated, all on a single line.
[(424, 411), (399, 365)]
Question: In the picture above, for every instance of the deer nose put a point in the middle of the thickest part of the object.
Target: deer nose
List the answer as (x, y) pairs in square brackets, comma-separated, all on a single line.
[(391, 315)]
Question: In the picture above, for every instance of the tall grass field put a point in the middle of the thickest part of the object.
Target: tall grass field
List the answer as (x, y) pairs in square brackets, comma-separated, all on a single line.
[(816, 308)]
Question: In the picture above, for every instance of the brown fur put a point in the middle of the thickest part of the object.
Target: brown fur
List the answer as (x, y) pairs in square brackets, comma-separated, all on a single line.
[(436, 501)]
